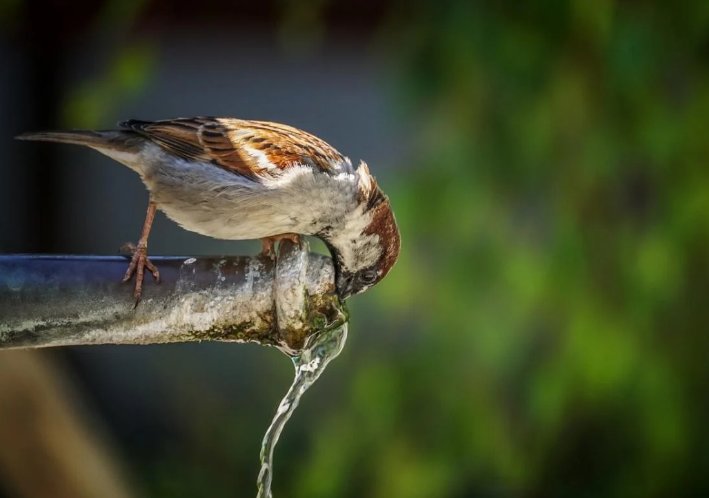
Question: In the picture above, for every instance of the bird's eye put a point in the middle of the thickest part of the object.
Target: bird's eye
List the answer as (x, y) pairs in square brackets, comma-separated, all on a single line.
[(368, 277)]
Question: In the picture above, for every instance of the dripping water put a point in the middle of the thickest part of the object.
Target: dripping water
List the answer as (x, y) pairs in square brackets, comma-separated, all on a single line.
[(309, 364)]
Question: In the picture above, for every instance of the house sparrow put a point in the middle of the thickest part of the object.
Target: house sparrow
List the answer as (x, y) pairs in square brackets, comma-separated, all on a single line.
[(237, 179)]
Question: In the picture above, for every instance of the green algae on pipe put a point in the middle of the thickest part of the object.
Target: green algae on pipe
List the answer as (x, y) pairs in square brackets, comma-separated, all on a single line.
[(76, 300)]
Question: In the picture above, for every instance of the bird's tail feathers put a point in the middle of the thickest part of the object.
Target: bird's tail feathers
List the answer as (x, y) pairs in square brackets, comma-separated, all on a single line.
[(105, 141), (95, 139)]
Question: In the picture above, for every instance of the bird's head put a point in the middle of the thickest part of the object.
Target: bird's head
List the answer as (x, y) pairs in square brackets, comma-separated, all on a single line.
[(366, 245)]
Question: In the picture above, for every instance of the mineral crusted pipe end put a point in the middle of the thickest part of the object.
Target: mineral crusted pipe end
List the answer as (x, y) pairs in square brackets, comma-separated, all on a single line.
[(305, 301), (74, 300)]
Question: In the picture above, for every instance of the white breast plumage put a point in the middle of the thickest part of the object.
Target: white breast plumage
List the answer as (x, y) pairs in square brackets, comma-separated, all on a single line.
[(218, 203)]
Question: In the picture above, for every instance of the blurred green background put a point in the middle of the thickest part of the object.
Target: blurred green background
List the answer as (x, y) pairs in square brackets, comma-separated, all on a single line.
[(545, 330)]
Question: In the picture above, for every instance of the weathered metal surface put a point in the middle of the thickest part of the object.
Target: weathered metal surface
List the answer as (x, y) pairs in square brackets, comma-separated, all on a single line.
[(73, 300)]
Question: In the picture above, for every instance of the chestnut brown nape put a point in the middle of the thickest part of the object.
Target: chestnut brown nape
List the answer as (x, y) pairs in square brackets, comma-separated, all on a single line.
[(384, 225)]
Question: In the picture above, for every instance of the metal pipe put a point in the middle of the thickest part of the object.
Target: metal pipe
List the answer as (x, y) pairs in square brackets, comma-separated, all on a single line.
[(75, 300)]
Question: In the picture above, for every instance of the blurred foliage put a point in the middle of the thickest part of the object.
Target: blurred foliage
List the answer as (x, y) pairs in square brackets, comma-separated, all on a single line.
[(550, 297), (89, 105), (125, 74), (301, 24)]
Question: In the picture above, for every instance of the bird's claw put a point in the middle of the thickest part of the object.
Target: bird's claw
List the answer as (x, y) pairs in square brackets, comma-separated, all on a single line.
[(138, 263), (268, 247)]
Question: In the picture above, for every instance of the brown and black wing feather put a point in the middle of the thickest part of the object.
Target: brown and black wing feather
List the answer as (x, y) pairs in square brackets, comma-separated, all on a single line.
[(249, 148)]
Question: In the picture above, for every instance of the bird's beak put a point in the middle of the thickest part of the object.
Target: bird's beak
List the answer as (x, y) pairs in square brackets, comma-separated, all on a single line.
[(344, 286)]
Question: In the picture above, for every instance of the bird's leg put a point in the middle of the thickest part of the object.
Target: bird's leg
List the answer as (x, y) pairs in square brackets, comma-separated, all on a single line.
[(269, 243), (140, 260)]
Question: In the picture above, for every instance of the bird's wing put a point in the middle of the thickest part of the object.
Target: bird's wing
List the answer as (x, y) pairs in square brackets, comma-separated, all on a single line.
[(248, 148)]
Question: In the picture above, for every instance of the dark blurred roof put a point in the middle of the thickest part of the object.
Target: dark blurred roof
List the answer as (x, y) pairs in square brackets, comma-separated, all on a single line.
[(353, 13), (69, 19)]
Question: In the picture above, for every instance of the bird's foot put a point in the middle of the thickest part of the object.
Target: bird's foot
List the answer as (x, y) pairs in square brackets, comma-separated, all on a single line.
[(138, 263), (269, 243)]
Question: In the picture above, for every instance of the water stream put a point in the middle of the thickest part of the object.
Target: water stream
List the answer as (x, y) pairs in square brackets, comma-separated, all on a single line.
[(312, 361)]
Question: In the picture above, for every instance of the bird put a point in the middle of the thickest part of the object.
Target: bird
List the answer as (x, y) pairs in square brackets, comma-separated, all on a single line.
[(238, 179)]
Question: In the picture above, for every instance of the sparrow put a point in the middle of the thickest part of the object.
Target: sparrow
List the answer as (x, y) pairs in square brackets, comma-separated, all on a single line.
[(239, 179)]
